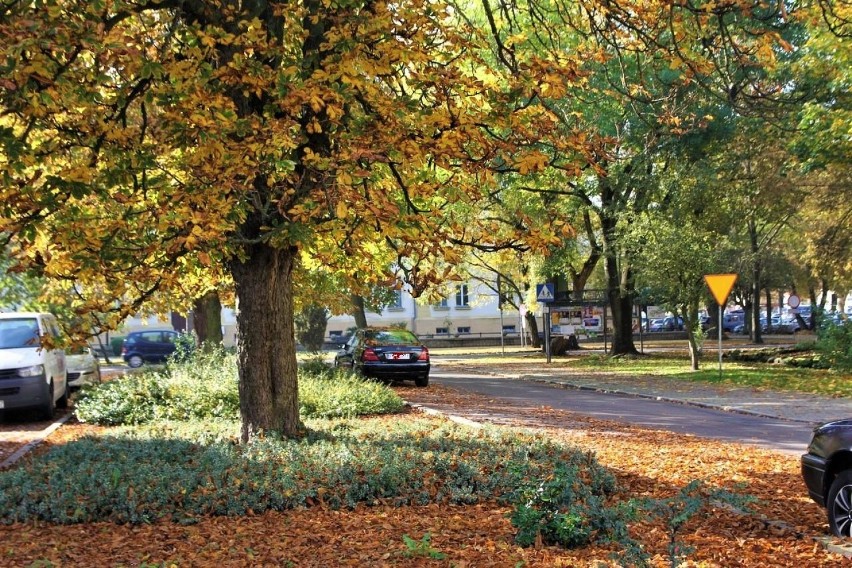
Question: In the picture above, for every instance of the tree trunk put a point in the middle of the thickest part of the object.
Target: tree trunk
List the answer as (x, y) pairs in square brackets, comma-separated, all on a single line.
[(358, 311), (618, 295), (266, 356), (769, 310), (622, 322), (207, 319), (532, 327), (780, 303), (692, 325), (581, 277), (754, 296)]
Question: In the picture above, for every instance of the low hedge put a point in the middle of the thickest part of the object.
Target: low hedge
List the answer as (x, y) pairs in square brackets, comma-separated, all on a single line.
[(205, 386), (180, 471)]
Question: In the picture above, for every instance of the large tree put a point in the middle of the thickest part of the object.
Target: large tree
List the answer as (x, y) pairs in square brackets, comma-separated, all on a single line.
[(143, 139)]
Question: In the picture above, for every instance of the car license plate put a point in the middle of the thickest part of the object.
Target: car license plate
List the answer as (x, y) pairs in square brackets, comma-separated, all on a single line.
[(399, 356)]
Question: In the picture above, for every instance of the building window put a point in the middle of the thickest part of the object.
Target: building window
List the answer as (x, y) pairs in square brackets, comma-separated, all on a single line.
[(442, 304), (509, 329), (463, 329), (442, 331), (396, 302), (462, 296)]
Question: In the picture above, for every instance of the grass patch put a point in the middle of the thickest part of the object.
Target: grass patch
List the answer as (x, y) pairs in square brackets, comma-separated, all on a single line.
[(754, 375)]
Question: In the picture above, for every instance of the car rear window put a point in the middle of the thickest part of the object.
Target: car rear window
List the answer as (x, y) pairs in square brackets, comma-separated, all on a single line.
[(392, 337)]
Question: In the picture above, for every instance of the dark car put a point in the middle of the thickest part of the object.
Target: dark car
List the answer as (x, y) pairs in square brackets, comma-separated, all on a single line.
[(827, 471), (668, 323), (732, 320), (149, 346), (391, 354)]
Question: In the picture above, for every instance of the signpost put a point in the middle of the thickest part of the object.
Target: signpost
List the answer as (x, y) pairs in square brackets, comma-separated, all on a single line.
[(793, 301), (544, 293), (720, 285)]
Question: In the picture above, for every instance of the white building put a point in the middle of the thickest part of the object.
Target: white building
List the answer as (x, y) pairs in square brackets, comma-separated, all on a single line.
[(471, 309)]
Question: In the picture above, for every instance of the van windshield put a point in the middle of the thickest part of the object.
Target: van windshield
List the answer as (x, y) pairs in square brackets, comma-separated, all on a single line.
[(19, 332)]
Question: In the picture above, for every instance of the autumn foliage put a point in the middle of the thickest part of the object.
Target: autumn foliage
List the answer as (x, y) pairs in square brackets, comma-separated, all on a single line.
[(154, 150)]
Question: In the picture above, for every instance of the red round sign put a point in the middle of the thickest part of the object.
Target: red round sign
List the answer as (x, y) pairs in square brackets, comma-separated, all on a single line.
[(793, 301)]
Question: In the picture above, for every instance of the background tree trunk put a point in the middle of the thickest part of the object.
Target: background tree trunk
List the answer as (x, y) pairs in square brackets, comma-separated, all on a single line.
[(532, 328), (692, 324), (207, 319), (622, 322), (756, 277), (620, 301), (358, 311), (266, 343)]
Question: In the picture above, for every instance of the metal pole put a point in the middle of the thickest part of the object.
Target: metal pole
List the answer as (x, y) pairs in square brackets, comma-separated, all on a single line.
[(547, 333), (502, 333), (720, 341)]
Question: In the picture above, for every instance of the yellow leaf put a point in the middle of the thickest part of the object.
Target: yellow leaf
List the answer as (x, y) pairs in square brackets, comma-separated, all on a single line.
[(342, 209)]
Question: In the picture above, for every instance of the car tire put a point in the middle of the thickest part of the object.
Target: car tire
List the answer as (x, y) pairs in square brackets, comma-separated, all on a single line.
[(135, 361), (839, 505), (422, 381), (48, 409), (63, 400)]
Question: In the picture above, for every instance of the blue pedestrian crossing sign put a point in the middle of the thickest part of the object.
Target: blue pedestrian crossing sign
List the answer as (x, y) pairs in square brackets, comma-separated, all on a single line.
[(544, 293)]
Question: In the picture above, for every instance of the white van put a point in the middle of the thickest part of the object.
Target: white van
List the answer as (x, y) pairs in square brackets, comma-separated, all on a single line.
[(31, 376)]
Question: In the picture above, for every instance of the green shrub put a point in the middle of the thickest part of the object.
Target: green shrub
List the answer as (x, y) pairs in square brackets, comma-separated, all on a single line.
[(115, 344), (834, 343), (180, 470), (317, 367), (566, 508), (205, 385), (341, 394)]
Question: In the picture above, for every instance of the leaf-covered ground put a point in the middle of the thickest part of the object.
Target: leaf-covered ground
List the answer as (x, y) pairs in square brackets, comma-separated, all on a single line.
[(647, 463)]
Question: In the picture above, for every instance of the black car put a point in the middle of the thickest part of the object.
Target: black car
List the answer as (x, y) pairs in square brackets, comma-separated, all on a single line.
[(827, 471), (149, 346), (385, 353)]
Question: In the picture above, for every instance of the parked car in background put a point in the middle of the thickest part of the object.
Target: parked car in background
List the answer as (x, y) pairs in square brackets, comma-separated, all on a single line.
[(32, 372), (827, 472), (83, 367), (149, 346), (732, 320), (386, 353), (668, 323)]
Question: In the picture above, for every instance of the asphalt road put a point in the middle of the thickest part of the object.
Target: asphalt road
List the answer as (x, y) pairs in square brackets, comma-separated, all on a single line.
[(780, 435)]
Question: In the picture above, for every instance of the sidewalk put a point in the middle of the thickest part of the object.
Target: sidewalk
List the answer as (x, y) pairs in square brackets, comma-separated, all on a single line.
[(797, 407)]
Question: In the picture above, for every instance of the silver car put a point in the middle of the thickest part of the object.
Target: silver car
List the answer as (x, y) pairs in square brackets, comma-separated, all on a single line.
[(83, 367)]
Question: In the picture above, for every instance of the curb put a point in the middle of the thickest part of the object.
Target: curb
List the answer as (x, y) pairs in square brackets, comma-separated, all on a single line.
[(662, 398), (569, 385), (31, 445)]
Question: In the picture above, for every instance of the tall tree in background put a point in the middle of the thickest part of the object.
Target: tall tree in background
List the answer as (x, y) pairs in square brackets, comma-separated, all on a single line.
[(651, 73)]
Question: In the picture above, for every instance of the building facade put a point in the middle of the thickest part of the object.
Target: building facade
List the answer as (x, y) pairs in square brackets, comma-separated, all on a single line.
[(470, 308)]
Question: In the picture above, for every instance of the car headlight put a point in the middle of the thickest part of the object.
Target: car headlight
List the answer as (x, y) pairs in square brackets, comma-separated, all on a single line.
[(34, 371)]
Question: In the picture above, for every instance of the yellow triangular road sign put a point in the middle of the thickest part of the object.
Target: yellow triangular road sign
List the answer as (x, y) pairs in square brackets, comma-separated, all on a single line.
[(721, 285)]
